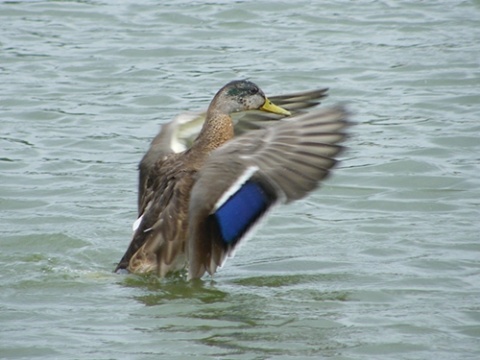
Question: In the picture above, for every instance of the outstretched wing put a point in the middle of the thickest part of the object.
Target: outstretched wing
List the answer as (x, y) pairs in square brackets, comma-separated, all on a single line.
[(296, 103), (243, 179)]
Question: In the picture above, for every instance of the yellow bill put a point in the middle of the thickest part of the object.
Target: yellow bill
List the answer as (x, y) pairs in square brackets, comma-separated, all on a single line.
[(271, 107)]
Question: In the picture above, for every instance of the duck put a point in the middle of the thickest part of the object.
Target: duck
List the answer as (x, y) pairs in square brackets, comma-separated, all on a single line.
[(178, 135), (203, 189)]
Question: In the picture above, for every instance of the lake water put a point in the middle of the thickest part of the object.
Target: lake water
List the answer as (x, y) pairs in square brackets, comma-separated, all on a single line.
[(383, 262)]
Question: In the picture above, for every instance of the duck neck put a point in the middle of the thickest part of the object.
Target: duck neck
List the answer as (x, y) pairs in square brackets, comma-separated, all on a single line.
[(217, 129)]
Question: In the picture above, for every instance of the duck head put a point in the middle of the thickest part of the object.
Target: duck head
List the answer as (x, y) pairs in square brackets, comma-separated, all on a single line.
[(242, 95)]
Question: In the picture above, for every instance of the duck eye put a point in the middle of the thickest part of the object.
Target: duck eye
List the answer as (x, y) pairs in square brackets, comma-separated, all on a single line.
[(254, 91)]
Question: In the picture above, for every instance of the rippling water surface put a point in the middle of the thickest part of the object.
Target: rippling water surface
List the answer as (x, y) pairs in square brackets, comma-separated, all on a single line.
[(383, 262)]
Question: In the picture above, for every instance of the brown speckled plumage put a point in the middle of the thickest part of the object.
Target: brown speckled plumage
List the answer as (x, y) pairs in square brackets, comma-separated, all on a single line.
[(178, 192)]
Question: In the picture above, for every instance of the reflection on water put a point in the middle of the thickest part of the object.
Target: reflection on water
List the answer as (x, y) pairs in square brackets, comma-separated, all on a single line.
[(264, 315), (175, 287)]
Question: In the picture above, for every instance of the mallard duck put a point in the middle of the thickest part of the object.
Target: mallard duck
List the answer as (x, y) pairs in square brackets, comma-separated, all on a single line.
[(178, 135), (197, 205)]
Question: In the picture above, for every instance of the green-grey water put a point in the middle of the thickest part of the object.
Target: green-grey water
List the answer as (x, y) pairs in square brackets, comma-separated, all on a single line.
[(383, 262)]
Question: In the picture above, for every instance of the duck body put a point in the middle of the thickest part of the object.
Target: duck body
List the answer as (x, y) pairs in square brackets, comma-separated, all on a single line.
[(167, 178), (196, 206)]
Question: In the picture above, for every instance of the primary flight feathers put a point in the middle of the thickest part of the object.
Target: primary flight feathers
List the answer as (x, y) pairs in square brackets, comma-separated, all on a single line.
[(197, 205)]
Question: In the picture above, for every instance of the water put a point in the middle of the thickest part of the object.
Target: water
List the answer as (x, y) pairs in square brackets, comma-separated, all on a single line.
[(381, 263)]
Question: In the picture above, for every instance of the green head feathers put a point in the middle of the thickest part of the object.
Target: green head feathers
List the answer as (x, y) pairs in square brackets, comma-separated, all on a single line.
[(242, 88)]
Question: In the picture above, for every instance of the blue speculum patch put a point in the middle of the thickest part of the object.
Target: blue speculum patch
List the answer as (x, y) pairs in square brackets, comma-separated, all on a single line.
[(240, 211)]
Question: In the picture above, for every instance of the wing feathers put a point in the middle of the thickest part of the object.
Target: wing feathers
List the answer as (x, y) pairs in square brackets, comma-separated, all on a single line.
[(290, 161)]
